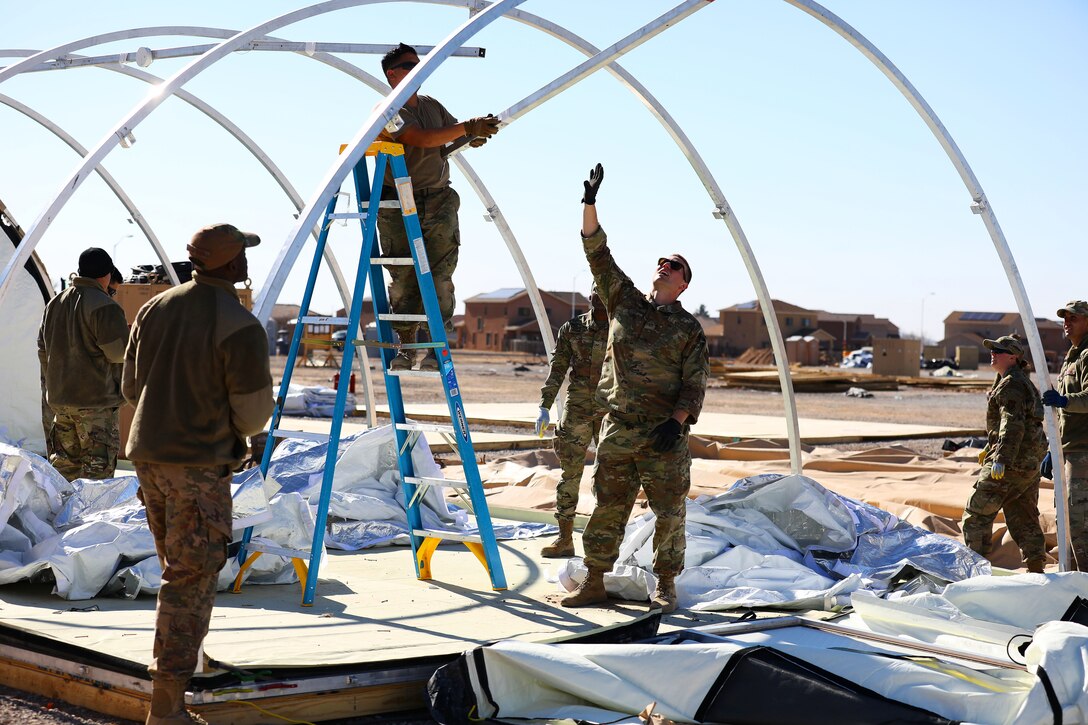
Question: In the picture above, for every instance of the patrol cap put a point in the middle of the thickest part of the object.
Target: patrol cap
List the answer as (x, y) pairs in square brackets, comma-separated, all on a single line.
[(214, 246), (95, 263), (1011, 344), (1076, 307)]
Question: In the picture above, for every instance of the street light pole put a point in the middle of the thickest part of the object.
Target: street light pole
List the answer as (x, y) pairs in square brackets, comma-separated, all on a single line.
[(922, 322)]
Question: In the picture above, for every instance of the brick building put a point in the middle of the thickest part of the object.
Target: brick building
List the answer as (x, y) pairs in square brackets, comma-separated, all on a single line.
[(963, 329), (504, 321), (743, 327)]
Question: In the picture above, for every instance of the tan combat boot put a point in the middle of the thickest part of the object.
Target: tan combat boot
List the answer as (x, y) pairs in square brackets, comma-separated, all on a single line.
[(1036, 564), (563, 546), (664, 597), (591, 591), (168, 704)]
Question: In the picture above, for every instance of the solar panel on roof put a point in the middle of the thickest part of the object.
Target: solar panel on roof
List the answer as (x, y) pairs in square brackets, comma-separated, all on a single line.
[(747, 305), (982, 316)]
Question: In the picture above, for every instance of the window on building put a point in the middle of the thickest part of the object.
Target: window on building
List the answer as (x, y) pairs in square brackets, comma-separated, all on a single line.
[(525, 311), (805, 322), (479, 323), (474, 339), (487, 340), (738, 319), (789, 322)]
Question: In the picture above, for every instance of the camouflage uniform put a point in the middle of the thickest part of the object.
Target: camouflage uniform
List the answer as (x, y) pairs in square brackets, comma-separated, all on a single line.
[(81, 344), (656, 363), (1073, 423), (197, 372), (85, 441), (189, 509), (579, 348), (1014, 415), (437, 205)]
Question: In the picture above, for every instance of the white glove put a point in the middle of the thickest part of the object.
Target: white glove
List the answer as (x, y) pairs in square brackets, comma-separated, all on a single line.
[(542, 421)]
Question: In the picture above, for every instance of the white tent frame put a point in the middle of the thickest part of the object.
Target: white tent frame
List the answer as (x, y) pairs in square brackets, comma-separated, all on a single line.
[(481, 15)]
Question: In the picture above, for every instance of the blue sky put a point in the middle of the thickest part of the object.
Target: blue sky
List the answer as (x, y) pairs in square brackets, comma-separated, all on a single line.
[(847, 199)]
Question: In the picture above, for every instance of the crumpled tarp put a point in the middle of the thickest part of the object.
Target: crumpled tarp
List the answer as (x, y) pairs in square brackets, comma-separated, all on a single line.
[(91, 537), (787, 542)]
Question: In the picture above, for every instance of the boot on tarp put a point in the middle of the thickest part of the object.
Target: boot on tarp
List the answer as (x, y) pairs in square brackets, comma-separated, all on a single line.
[(589, 592), (168, 705), (664, 597), (563, 546)]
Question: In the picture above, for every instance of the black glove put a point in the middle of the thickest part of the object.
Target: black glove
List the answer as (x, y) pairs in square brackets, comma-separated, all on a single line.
[(665, 435), (482, 126), (1046, 468), (1055, 399), (596, 176)]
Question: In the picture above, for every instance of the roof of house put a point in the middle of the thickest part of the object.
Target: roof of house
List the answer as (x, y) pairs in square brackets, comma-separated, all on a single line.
[(505, 294), (711, 326), (753, 305)]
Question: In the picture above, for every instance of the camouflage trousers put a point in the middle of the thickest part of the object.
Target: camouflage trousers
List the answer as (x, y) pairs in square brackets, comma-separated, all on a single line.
[(437, 210), (1017, 494), (1077, 477), (84, 441), (189, 513), (579, 426), (625, 462)]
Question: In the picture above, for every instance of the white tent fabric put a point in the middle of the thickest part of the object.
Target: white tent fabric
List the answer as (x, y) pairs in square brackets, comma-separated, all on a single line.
[(785, 542), (611, 683), (21, 413), (80, 533)]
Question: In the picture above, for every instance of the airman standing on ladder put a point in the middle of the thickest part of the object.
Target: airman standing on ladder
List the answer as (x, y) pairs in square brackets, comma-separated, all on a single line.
[(580, 349), (653, 382), (197, 371), (425, 127)]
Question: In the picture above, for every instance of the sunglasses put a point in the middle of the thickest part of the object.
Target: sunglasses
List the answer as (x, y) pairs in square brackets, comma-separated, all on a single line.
[(406, 65), (111, 291), (673, 264), (999, 351)]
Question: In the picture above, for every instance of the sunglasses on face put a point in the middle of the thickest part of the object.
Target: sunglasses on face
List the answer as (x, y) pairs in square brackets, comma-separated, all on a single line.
[(673, 264), (995, 351), (111, 291), (406, 65)]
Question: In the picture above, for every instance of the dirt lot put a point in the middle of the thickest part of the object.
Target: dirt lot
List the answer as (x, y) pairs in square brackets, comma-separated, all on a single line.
[(501, 377)]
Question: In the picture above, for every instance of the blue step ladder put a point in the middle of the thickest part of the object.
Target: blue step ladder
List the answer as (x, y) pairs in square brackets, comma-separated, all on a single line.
[(424, 541)]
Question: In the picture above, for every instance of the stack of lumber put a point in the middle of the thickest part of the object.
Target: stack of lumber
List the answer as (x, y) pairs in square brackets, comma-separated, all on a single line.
[(757, 356), (810, 381)]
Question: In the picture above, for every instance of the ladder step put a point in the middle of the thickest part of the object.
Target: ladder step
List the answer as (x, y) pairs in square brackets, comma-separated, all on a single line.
[(414, 373), (300, 434), (441, 482), (392, 261), (347, 215), (277, 550), (322, 320), (447, 535), (426, 427), (392, 317), (384, 204)]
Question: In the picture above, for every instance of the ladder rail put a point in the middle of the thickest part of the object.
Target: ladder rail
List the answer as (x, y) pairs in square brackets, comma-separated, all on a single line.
[(394, 397), (450, 385), (289, 366)]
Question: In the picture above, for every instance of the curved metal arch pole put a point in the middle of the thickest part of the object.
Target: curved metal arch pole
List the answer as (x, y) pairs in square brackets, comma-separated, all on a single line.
[(381, 114), (980, 206), (143, 109), (118, 191), (722, 210), (250, 145)]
